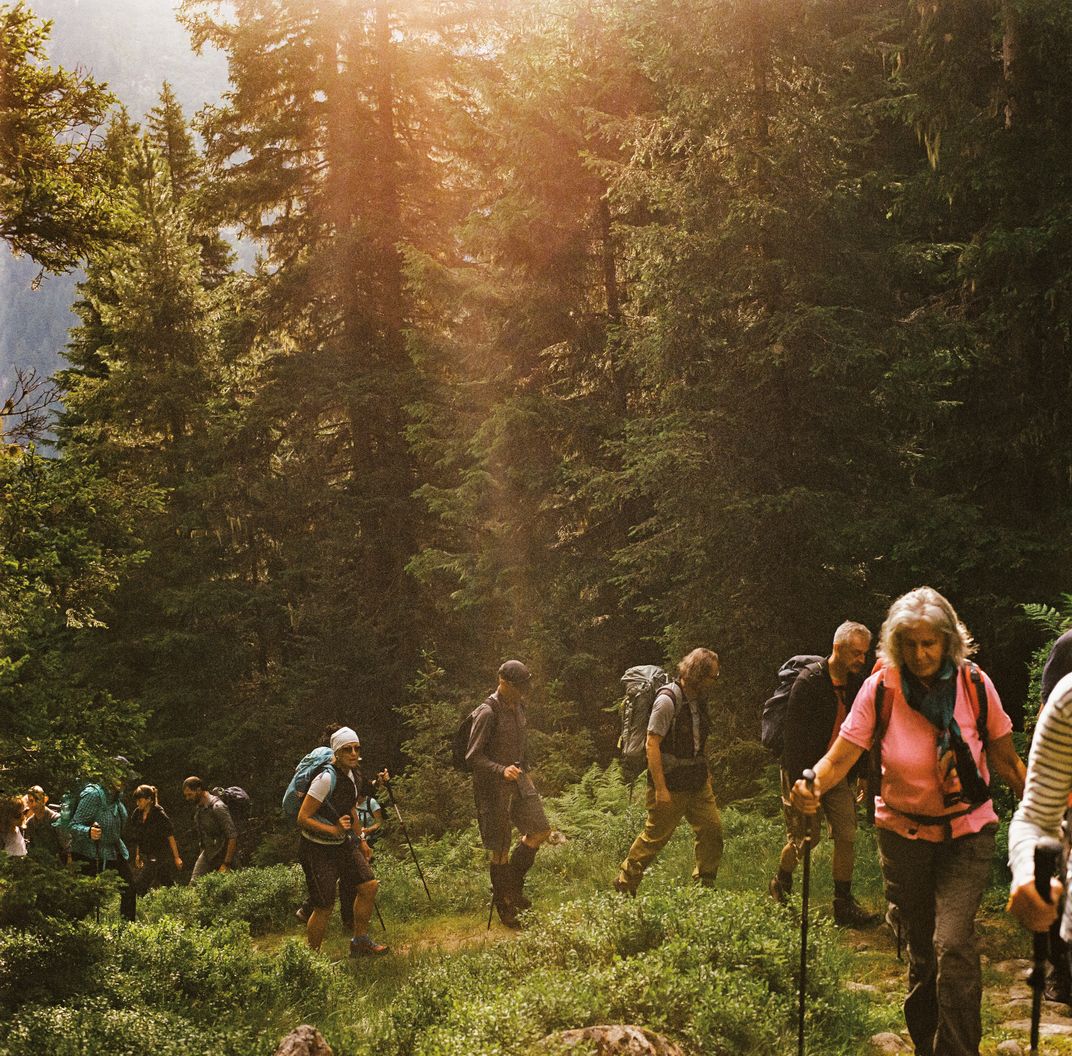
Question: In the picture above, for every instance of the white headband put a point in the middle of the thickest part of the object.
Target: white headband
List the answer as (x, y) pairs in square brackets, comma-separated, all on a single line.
[(344, 736)]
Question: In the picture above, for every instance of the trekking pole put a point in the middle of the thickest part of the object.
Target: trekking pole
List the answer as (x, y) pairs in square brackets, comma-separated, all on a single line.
[(809, 780), (405, 832), (1047, 854)]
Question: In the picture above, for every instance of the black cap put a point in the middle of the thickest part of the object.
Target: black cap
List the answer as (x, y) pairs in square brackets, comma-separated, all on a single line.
[(515, 672)]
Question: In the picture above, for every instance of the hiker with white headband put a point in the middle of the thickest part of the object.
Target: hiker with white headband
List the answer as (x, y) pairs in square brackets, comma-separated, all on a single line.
[(329, 855)]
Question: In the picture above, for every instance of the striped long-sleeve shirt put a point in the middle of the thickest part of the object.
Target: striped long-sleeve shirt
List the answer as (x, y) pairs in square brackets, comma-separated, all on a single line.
[(1049, 782)]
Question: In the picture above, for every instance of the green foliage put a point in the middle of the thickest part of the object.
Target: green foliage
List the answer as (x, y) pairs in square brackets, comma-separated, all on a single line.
[(37, 893), (179, 986), (67, 537), (264, 899), (1053, 621), (53, 204), (715, 972)]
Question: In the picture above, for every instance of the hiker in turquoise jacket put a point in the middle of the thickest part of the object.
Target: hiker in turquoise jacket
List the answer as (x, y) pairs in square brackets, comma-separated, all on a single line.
[(97, 837)]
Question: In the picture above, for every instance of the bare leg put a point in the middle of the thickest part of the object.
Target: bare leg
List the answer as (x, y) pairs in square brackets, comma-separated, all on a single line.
[(364, 905), (316, 926)]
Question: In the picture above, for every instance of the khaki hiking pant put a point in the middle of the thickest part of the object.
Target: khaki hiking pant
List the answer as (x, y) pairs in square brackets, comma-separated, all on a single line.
[(700, 810)]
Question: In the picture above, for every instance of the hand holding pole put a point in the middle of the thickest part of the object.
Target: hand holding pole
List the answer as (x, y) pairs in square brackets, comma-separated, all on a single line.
[(1047, 855)]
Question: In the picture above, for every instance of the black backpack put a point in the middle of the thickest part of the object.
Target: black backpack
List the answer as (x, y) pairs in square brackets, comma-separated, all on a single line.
[(772, 721), (237, 802), (459, 742)]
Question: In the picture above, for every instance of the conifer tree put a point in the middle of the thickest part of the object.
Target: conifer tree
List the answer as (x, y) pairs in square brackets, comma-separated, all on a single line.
[(52, 203)]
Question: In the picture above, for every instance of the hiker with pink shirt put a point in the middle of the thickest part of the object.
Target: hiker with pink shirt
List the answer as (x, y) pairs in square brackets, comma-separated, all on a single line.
[(936, 729)]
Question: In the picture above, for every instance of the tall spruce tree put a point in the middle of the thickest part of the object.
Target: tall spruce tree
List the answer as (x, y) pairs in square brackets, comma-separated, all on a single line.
[(327, 152)]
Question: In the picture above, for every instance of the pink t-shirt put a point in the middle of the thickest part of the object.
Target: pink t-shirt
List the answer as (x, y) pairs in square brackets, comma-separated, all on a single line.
[(910, 778)]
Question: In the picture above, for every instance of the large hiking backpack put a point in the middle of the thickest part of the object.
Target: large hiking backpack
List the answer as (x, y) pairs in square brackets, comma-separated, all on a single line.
[(642, 685), (238, 803), (459, 744), (69, 806), (311, 764), (772, 721)]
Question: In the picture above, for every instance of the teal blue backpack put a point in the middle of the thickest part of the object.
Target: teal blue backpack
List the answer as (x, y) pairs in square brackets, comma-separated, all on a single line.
[(69, 806), (312, 764)]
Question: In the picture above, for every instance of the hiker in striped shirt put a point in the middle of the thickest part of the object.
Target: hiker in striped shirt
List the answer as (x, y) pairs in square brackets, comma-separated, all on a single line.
[(1049, 783)]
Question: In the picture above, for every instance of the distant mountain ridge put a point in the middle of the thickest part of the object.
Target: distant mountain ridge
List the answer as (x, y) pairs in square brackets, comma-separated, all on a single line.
[(134, 46)]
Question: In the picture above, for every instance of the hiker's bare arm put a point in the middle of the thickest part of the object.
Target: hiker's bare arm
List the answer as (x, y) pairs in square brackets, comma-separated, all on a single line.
[(228, 855), (653, 750), (832, 768), (1003, 760)]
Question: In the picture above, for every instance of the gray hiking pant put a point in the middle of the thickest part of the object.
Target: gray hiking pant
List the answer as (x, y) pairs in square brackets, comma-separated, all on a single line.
[(937, 887)]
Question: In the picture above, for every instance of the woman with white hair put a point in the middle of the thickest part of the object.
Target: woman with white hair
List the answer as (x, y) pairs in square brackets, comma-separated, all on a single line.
[(936, 727)]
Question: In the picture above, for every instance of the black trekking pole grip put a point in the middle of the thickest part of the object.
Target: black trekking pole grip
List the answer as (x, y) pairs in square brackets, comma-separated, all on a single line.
[(809, 780), (1047, 855), (405, 832)]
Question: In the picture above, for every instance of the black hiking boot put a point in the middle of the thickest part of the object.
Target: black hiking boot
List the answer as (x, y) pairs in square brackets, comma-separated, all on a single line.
[(848, 913), (520, 863), (502, 895)]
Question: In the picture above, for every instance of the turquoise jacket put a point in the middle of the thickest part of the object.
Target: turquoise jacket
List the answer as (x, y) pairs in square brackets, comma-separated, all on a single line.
[(95, 805)]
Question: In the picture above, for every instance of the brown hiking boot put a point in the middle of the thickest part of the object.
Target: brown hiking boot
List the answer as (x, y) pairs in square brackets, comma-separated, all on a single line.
[(848, 913), (623, 887), (778, 890)]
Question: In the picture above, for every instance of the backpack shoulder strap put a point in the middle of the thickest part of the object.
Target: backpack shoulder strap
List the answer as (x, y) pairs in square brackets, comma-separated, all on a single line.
[(883, 710), (674, 692), (982, 703)]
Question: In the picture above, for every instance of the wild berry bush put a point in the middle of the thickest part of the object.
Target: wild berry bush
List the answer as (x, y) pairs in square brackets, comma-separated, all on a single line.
[(265, 899), (715, 970)]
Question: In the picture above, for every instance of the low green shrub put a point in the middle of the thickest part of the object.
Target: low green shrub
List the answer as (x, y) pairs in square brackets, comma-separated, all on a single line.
[(715, 970), (34, 892), (49, 965), (265, 899), (162, 987), (96, 1027)]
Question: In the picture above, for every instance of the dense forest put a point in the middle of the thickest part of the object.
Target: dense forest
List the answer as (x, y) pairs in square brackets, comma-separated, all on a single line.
[(584, 332)]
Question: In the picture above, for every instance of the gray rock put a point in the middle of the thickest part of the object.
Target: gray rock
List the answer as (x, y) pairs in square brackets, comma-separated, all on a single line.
[(861, 988), (1016, 967), (888, 1043), (1010, 1048), (613, 1040), (304, 1041), (1046, 1030)]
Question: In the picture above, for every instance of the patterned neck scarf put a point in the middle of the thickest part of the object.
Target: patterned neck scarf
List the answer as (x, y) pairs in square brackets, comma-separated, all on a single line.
[(959, 776)]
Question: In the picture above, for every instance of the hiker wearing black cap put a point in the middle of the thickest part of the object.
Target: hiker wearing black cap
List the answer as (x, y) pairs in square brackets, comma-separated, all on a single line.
[(504, 792)]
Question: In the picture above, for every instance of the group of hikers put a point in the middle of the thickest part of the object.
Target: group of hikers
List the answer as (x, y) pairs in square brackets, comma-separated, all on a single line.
[(923, 732), (95, 832)]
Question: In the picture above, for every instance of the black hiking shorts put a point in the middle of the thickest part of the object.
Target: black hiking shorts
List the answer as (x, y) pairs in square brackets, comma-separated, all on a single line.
[(331, 866)]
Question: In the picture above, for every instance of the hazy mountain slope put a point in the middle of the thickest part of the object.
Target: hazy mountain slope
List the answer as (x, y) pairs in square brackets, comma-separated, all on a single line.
[(133, 45)]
